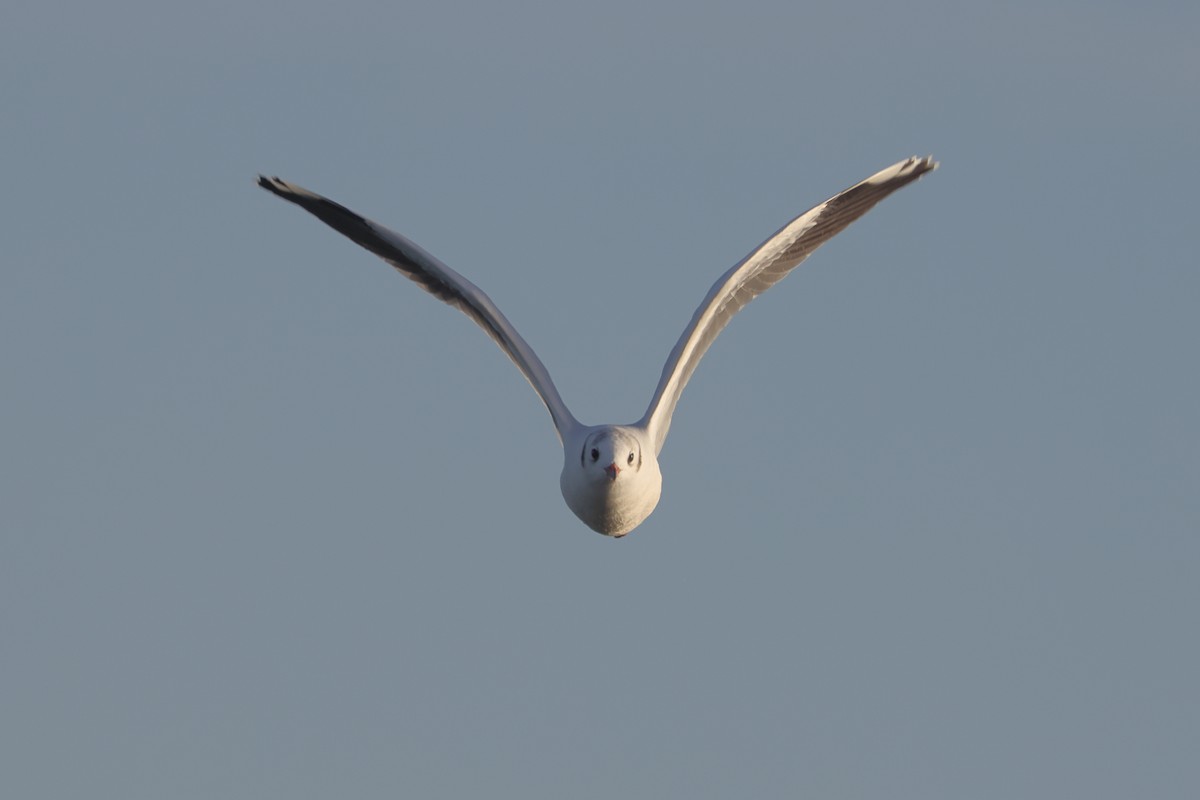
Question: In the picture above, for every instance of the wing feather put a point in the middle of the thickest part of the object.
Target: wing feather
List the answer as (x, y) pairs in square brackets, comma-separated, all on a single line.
[(440, 281), (768, 264)]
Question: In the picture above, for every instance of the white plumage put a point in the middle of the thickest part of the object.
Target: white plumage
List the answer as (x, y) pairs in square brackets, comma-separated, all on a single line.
[(610, 476)]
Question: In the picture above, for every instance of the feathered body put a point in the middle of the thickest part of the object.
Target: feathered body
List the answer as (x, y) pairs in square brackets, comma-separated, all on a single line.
[(610, 477)]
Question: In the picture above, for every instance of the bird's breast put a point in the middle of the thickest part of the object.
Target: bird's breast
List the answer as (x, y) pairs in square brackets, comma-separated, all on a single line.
[(612, 507)]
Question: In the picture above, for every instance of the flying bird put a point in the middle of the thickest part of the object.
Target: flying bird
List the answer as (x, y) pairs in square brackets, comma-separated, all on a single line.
[(610, 476)]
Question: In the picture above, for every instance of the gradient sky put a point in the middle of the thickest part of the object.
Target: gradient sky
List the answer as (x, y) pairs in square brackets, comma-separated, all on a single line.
[(274, 524)]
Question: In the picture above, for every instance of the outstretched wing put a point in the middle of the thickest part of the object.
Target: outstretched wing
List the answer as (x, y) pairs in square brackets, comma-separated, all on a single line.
[(761, 270), (440, 281)]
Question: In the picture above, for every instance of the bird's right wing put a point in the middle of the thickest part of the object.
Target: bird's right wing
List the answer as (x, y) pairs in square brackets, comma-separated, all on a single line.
[(440, 281), (761, 270)]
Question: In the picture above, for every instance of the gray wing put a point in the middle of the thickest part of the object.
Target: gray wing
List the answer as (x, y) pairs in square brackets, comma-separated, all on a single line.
[(761, 270), (440, 281)]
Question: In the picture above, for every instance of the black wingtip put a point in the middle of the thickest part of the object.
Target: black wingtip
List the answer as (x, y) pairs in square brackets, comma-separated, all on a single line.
[(272, 185)]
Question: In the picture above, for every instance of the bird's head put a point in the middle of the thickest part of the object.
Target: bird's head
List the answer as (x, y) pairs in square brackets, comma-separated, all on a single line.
[(610, 478), (611, 456)]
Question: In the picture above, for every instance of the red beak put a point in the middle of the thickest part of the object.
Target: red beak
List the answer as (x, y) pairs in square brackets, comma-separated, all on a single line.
[(612, 470)]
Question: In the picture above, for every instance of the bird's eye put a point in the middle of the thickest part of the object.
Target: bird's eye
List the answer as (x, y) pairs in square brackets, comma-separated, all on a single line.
[(630, 459), (595, 454)]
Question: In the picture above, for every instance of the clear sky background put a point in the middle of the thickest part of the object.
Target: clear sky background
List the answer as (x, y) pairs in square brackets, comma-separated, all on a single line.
[(277, 525)]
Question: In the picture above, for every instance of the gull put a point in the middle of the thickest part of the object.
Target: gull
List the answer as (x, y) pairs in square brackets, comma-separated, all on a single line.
[(610, 476)]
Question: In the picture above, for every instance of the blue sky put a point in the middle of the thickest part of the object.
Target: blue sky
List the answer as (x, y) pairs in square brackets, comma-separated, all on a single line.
[(275, 524)]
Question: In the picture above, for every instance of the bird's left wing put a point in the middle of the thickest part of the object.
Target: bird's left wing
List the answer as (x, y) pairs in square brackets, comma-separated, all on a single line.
[(440, 281), (761, 270)]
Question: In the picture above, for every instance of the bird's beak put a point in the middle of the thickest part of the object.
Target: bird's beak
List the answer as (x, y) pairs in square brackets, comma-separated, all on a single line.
[(612, 470)]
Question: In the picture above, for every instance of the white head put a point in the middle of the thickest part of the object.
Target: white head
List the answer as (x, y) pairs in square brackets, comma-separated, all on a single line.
[(609, 452), (610, 478)]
